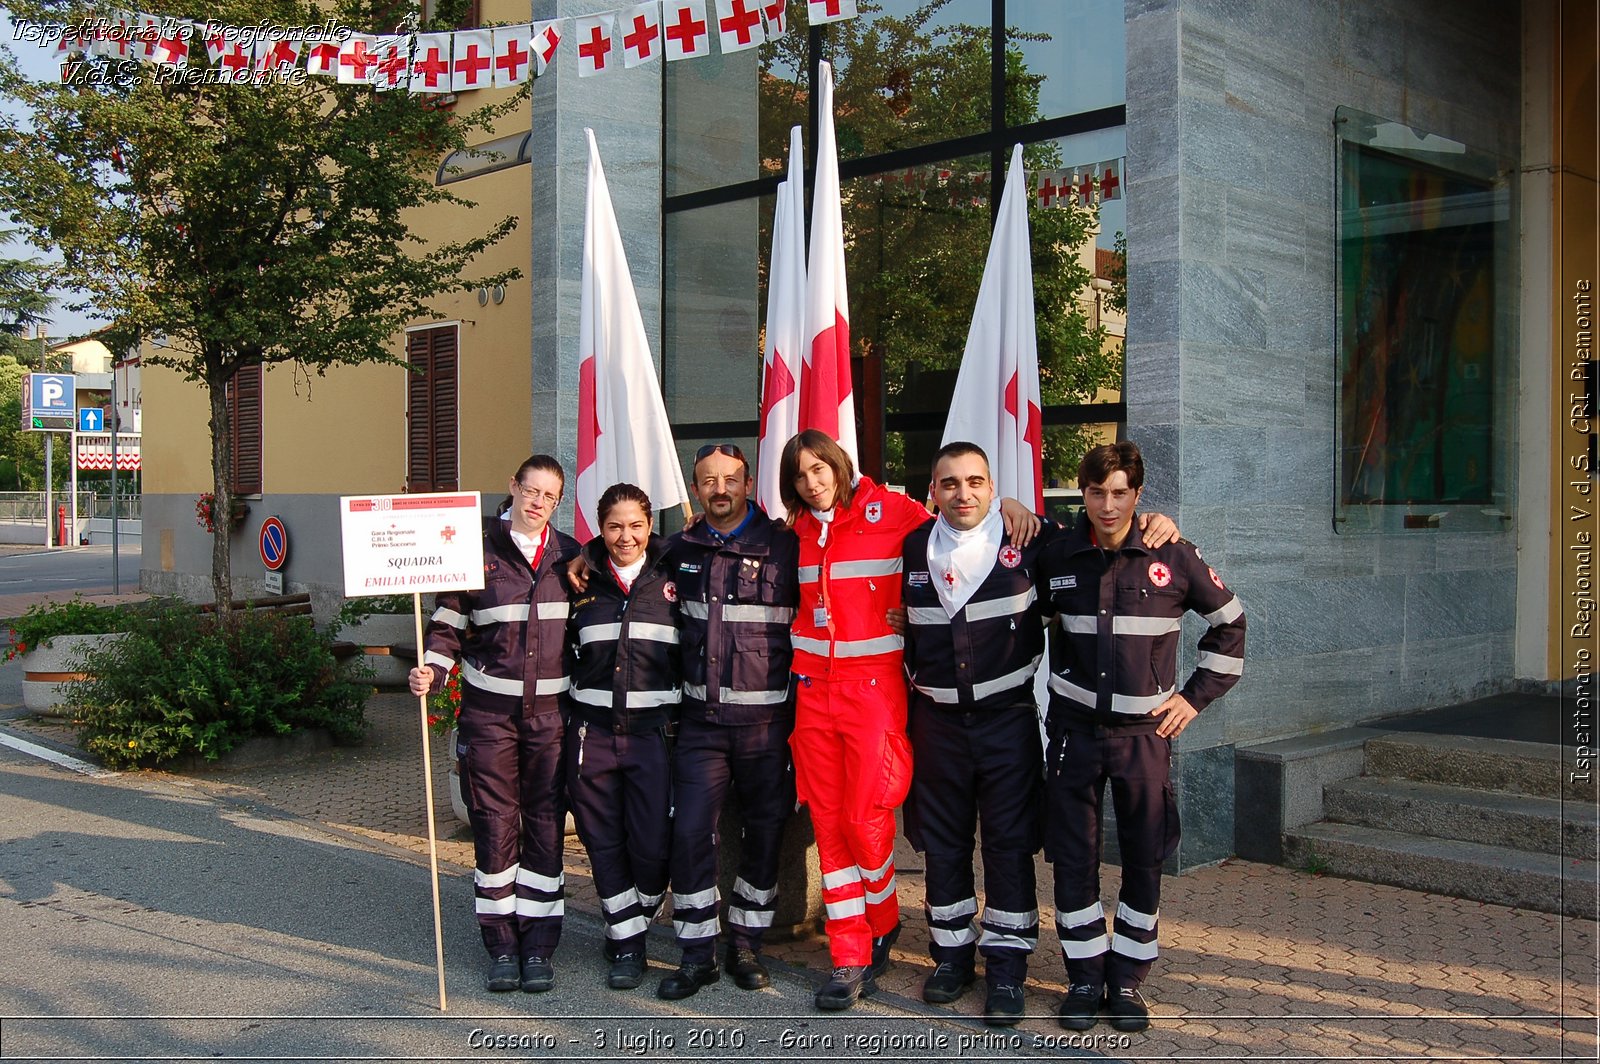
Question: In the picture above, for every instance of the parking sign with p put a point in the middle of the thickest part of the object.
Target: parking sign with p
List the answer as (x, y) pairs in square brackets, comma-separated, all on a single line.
[(50, 402)]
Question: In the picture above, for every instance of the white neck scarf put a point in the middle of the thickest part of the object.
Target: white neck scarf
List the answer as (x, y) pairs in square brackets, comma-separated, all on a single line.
[(826, 517), (627, 574), (960, 560), (529, 545)]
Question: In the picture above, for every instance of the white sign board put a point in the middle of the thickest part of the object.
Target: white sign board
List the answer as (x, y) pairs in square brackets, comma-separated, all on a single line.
[(401, 544)]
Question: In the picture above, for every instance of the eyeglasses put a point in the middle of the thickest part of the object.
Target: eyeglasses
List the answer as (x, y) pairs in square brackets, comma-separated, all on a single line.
[(729, 449), (534, 494)]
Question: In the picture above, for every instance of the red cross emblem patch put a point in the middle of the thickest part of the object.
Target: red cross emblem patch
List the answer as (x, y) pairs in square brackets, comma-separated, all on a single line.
[(949, 577), (874, 512), (670, 590), (447, 533), (1010, 557), (1215, 579), (1160, 575)]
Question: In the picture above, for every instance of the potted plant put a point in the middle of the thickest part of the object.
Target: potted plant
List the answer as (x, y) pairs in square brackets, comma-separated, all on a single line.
[(205, 511), (377, 625), (444, 710), (52, 638)]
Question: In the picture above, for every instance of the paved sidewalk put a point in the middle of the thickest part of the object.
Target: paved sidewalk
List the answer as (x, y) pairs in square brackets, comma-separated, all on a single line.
[(1257, 961)]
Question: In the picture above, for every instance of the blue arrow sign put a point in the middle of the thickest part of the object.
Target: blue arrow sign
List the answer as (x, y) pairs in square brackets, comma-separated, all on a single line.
[(91, 419)]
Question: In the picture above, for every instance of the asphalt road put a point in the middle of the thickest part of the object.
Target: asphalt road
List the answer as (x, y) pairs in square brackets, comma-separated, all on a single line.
[(33, 570), (146, 918)]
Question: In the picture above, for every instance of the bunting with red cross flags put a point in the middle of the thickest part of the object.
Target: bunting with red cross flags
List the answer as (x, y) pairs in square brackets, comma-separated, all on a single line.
[(232, 58), (686, 29), (776, 13), (641, 34), (275, 57), (430, 63), (821, 11), (594, 36), (473, 60), (393, 58), (513, 59), (357, 59), (739, 25), (323, 58)]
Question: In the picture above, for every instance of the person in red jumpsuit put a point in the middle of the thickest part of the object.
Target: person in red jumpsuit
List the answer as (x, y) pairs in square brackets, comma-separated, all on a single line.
[(852, 757)]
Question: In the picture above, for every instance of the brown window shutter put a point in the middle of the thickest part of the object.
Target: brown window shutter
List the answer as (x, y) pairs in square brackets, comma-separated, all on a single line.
[(244, 422), (432, 435)]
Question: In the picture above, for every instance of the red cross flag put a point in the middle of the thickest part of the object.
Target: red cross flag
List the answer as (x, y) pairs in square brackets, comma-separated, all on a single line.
[(826, 401), (149, 36), (996, 403), (685, 22), (513, 61), (546, 36), (831, 10), (277, 56), (232, 59), (393, 55), (430, 63), (623, 435), (118, 43), (776, 12), (358, 60), (172, 48), (641, 34), (786, 329), (474, 57), (739, 25), (1049, 189), (323, 58), (594, 37), (1110, 185)]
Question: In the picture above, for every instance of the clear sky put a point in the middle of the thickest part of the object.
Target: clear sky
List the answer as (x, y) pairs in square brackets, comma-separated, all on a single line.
[(37, 63)]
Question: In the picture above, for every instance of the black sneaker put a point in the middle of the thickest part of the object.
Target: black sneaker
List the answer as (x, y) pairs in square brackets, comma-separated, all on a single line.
[(687, 980), (538, 975), (947, 983), (1126, 1009), (505, 973), (1003, 1007), (748, 972), (880, 950), (627, 971), (849, 984), (1080, 1009)]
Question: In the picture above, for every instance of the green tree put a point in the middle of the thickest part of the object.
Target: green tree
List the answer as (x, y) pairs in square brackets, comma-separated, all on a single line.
[(245, 224), (24, 300)]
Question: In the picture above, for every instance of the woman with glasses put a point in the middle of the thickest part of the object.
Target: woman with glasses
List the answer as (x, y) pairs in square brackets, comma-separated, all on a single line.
[(623, 702), (509, 640)]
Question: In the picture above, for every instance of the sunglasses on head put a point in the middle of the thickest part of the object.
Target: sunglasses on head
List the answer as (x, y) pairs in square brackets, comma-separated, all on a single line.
[(729, 449)]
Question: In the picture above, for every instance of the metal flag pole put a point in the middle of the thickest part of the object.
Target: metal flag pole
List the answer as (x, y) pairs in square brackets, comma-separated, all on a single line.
[(427, 786)]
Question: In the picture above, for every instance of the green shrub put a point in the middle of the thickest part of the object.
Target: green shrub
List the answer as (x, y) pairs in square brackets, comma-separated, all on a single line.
[(46, 620), (184, 683)]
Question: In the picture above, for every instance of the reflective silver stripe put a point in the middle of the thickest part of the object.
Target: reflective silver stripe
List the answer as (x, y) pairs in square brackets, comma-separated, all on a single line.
[(967, 907), (697, 610), (618, 902), (484, 682), (1092, 948), (501, 614), (818, 647), (1139, 951), (749, 918), (496, 906), (1151, 626), (1002, 607), (1135, 918), (849, 648), (494, 879), (698, 900), (1138, 705), (1006, 682), (840, 877), (552, 687), (1227, 612), (924, 615), (1080, 624), (1222, 663), (743, 889), (728, 696), (698, 929), (593, 632), (636, 925), (748, 614), (991, 940), (993, 917), (651, 902), (1072, 691), (839, 910), (878, 897), (887, 869), (595, 696), (656, 633), (943, 936), (450, 617), (867, 567), (535, 909), (538, 882), (810, 574), (552, 611), (433, 657), (1081, 917)]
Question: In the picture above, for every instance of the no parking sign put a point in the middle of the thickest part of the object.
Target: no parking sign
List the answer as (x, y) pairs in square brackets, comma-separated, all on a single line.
[(274, 544)]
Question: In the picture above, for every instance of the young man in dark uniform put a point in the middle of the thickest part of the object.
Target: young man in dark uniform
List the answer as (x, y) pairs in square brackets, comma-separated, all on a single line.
[(1115, 708)]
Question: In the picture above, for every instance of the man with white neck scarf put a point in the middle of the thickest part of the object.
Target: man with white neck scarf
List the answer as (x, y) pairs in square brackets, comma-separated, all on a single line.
[(974, 637)]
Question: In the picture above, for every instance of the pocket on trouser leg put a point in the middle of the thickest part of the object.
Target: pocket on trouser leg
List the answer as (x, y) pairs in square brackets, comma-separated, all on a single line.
[(894, 780), (1174, 828)]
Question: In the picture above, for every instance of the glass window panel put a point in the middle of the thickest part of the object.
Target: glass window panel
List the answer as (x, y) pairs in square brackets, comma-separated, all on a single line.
[(711, 110), (1098, 157), (1063, 57)]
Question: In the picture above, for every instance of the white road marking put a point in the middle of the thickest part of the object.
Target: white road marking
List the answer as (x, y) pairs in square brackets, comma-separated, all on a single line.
[(46, 754)]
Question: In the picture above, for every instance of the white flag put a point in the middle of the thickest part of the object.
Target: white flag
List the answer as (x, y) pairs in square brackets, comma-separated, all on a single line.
[(996, 403), (623, 435), (430, 63), (513, 63), (739, 25), (786, 330), (826, 400), (596, 45)]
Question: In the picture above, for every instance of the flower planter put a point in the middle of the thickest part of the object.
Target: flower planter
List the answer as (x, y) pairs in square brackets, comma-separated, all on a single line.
[(375, 634), (52, 664)]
